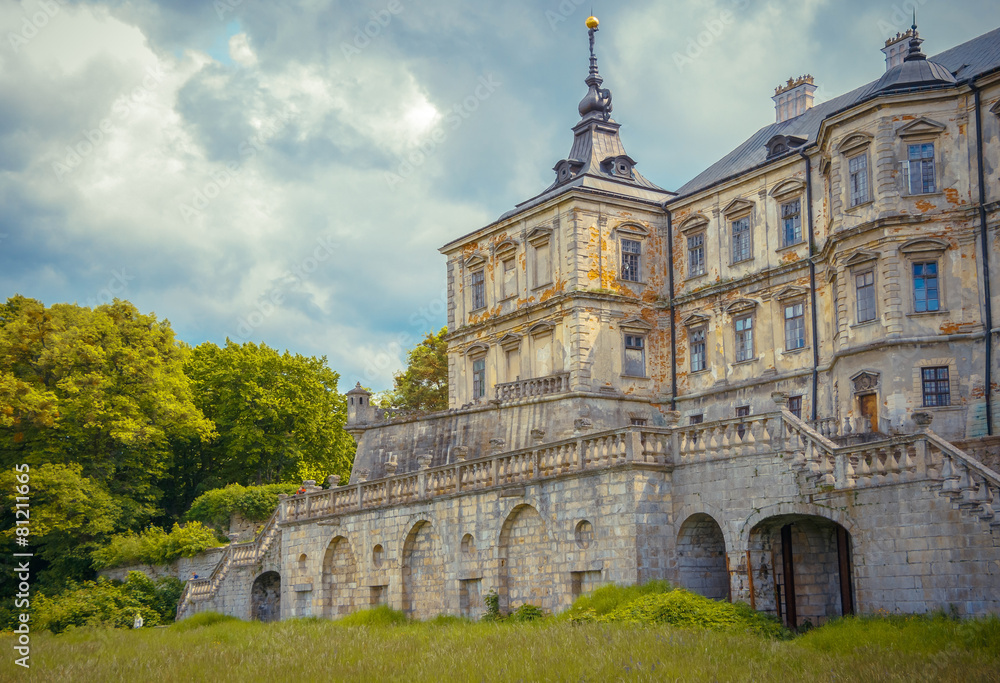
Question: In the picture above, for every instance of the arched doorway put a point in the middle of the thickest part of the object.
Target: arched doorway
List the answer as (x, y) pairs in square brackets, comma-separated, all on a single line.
[(523, 556), (265, 597), (423, 573), (701, 557), (801, 569), (340, 579)]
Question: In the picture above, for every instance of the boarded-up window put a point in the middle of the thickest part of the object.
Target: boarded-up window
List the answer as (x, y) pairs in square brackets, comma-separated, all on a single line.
[(543, 264), (513, 364), (543, 354), (635, 355), (509, 278)]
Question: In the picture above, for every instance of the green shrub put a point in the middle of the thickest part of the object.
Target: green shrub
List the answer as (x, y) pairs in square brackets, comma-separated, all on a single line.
[(682, 608), (155, 546), (202, 619), (607, 598), (254, 503), (383, 615), (492, 601), (109, 604), (526, 612)]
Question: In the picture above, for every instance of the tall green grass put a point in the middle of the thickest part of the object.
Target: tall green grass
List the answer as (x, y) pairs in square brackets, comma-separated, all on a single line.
[(549, 650)]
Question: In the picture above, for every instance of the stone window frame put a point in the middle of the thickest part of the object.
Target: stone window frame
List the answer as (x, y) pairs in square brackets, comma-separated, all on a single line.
[(693, 226), (920, 131), (854, 145), (633, 233), (478, 352), (953, 383), (925, 250), (696, 418), (790, 296), (506, 252), (538, 238), (737, 210), (476, 265), (640, 329), (860, 263), (741, 310), (697, 322), (784, 193)]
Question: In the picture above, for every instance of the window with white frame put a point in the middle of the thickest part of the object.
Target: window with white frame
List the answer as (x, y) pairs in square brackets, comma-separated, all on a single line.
[(864, 285), (795, 326), (478, 289), (926, 293), (741, 239), (631, 260), (857, 167), (743, 326), (936, 386), (635, 355), (698, 351), (918, 169), (791, 222), (696, 254), (478, 378)]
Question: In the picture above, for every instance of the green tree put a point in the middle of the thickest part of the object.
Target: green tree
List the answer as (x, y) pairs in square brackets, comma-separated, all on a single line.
[(279, 418), (102, 388), (424, 383)]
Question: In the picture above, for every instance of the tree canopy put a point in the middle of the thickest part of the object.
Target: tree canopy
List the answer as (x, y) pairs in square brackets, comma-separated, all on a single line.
[(122, 426), (424, 384)]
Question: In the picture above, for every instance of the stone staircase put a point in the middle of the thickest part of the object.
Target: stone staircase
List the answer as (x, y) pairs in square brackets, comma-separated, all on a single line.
[(235, 555)]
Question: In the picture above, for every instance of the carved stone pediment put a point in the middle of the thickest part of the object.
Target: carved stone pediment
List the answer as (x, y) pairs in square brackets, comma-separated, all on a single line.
[(865, 382)]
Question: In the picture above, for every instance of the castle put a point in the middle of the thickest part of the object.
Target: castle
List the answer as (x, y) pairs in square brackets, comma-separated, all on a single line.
[(776, 384)]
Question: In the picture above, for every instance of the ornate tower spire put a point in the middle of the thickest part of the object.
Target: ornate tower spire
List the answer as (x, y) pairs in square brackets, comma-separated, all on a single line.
[(915, 42), (597, 99)]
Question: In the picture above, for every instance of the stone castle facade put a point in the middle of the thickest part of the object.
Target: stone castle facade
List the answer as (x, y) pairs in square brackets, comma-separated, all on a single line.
[(776, 384)]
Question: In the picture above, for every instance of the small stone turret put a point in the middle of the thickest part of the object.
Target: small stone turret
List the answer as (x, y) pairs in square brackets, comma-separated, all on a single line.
[(359, 406)]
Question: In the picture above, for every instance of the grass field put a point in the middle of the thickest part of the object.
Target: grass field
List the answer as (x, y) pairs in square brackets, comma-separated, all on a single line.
[(893, 649)]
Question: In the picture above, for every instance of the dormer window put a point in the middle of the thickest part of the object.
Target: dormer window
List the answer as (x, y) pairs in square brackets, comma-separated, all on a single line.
[(620, 166), (567, 169), (782, 144)]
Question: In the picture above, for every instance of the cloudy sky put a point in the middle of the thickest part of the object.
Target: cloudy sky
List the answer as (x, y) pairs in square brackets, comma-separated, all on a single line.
[(285, 170)]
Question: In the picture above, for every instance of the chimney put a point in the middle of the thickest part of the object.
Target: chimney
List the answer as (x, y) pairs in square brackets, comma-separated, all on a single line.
[(793, 98), (895, 48)]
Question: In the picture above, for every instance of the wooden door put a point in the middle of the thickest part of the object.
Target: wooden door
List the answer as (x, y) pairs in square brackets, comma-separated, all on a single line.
[(869, 410)]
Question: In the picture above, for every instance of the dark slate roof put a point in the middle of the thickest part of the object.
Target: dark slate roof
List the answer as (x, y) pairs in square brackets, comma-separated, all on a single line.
[(966, 61)]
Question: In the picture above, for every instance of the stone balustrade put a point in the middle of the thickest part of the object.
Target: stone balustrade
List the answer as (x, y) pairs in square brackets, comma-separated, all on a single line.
[(530, 388), (639, 445)]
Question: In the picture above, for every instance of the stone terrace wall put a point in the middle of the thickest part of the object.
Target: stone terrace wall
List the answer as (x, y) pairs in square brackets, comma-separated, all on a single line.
[(442, 555)]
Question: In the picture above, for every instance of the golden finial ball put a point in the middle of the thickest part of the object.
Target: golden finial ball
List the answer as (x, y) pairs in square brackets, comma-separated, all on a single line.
[(592, 22)]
